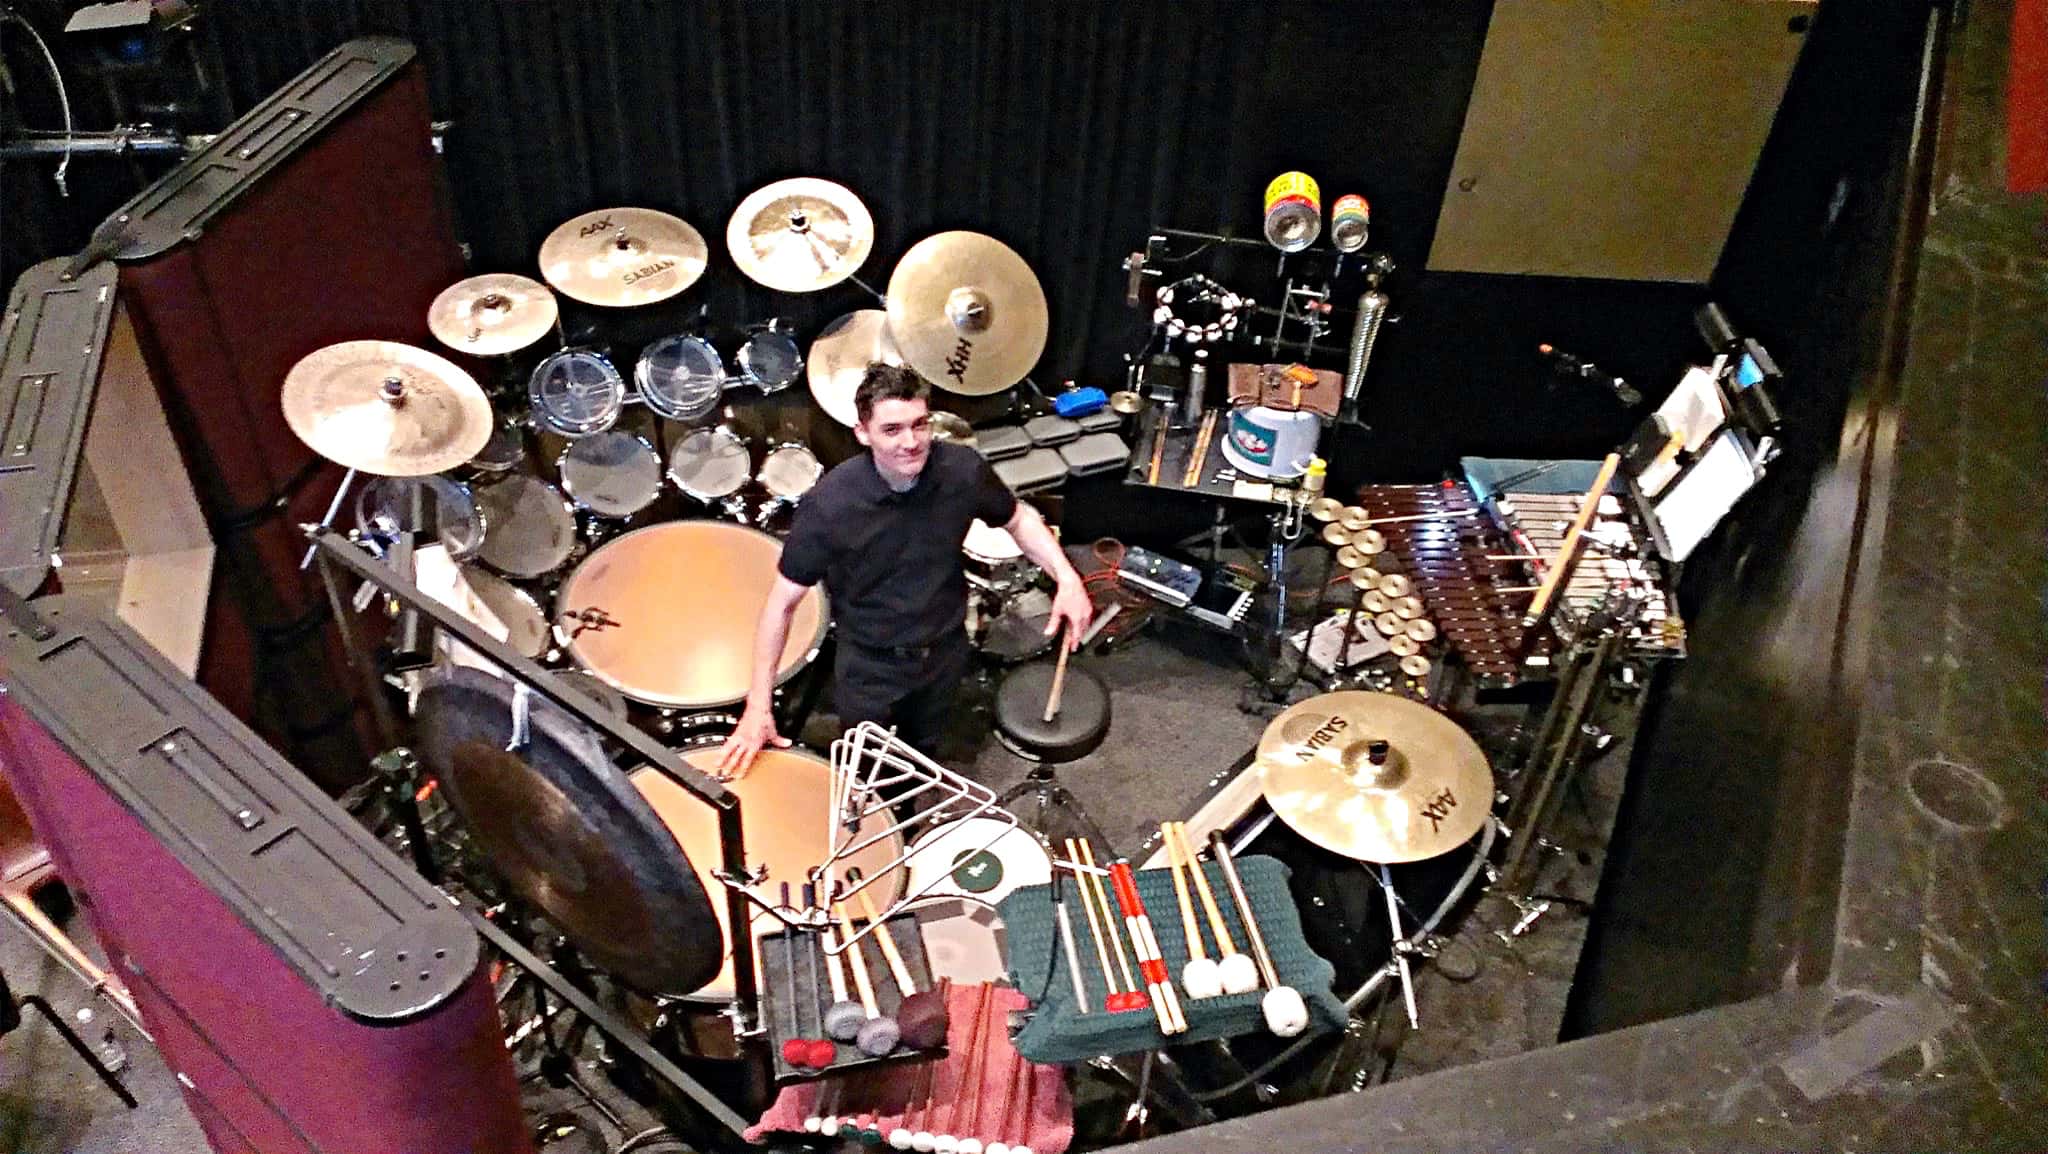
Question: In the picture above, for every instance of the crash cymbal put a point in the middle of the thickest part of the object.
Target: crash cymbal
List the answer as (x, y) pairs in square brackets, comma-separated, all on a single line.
[(386, 408), (1409, 607), (621, 257), (1353, 518), (1421, 629), (1395, 585), (492, 314), (1367, 579), (1336, 534), (1415, 665), (1350, 558), (1390, 624), (1371, 542), (1402, 645), (840, 357), (1374, 776), (800, 235), (967, 313), (1325, 509)]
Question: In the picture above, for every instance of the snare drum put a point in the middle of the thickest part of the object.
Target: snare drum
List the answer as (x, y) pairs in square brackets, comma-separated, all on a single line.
[(710, 465), (788, 472), (529, 527), (784, 802), (576, 392), (680, 377), (666, 614), (611, 474), (1018, 633), (770, 361), (526, 626), (995, 559)]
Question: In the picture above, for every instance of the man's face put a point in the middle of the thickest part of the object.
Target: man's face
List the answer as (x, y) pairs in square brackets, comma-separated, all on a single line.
[(900, 435)]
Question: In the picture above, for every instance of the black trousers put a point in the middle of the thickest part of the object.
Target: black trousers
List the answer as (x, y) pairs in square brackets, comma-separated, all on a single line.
[(911, 690)]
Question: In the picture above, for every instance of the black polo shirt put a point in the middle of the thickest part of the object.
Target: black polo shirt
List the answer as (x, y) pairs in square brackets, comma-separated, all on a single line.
[(891, 561)]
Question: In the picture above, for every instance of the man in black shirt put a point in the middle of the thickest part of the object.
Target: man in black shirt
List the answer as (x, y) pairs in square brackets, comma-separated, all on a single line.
[(884, 532)]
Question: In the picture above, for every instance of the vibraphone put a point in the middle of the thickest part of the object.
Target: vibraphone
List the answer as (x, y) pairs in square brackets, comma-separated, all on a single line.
[(1612, 556)]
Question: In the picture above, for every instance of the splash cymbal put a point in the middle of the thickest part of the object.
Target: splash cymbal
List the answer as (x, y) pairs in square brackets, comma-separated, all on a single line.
[(967, 313), (386, 408), (840, 357), (1375, 777), (492, 314), (622, 257), (800, 235)]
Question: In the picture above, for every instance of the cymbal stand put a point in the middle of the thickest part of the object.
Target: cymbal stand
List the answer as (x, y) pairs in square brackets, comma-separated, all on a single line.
[(327, 518), (1400, 945)]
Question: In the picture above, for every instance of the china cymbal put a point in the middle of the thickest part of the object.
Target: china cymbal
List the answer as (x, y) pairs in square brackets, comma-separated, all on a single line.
[(1325, 509), (621, 257), (492, 314), (967, 313), (800, 235), (386, 408), (840, 357), (1336, 534), (1374, 776)]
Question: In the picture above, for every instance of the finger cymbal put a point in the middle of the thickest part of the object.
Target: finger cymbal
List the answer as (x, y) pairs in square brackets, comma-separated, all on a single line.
[(1395, 585), (967, 313), (840, 357), (1375, 777), (1367, 579), (1421, 629), (1415, 665), (492, 314), (1409, 607), (386, 408), (1335, 534), (800, 235), (1325, 509), (1350, 558), (622, 257)]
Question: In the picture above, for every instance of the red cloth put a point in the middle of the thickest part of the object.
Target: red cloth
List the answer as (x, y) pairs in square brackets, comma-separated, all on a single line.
[(998, 1116), (2026, 108)]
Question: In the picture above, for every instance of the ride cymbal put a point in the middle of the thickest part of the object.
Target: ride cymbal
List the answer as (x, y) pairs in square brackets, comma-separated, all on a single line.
[(967, 313), (386, 408), (492, 314), (1375, 777), (800, 235), (622, 257), (840, 357)]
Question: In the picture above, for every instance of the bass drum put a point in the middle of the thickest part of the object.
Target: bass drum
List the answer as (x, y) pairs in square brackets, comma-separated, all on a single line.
[(666, 614), (785, 802)]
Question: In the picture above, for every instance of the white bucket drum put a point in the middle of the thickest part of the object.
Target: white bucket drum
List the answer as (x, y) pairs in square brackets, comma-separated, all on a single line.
[(1271, 443), (710, 465), (611, 474), (788, 472), (529, 527), (680, 378), (784, 802), (979, 858), (666, 614), (995, 560), (770, 361), (576, 392)]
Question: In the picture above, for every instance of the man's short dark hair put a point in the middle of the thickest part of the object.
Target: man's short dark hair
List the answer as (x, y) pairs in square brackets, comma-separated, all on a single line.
[(887, 382)]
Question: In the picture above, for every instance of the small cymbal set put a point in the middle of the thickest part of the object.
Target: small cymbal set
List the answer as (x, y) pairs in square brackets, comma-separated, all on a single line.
[(1388, 603)]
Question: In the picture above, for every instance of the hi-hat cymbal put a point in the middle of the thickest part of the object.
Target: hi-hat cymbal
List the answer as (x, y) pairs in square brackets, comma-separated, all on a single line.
[(967, 313), (386, 408), (492, 314), (800, 235), (1374, 776), (840, 357), (621, 257)]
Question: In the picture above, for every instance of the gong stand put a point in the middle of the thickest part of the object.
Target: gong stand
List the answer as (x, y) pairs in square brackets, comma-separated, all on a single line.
[(340, 559)]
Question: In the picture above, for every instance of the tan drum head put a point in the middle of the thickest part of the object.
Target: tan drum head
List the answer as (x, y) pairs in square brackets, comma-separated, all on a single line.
[(783, 801), (666, 614)]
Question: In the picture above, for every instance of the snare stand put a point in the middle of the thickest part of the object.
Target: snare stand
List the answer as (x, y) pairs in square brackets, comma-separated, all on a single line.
[(1043, 787)]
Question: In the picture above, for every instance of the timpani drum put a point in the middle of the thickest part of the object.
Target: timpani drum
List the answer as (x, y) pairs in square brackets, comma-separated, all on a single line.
[(666, 614), (784, 801)]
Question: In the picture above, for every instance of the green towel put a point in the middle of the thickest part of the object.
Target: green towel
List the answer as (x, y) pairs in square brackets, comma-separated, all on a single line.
[(1057, 1033)]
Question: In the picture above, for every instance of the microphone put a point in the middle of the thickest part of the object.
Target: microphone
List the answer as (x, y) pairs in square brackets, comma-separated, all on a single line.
[(1564, 364)]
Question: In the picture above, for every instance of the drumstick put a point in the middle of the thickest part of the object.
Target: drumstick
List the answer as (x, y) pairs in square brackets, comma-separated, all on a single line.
[(1146, 944), (1286, 1013), (921, 1089), (967, 1139), (1024, 1130), (1158, 451), (1193, 472), (945, 1141), (1002, 1126), (1138, 999), (1066, 928), (878, 1035), (1059, 679), (1237, 973), (845, 1016), (1199, 976), (1112, 999), (1554, 572)]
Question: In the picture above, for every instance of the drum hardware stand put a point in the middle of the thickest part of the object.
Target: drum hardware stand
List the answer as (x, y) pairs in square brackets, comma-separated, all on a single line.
[(327, 518), (397, 773)]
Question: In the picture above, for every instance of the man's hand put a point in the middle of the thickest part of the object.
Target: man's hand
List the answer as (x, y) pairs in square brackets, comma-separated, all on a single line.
[(1071, 609), (755, 732)]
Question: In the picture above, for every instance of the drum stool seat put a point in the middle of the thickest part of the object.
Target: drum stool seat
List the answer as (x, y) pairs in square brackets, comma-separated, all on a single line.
[(1073, 733)]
